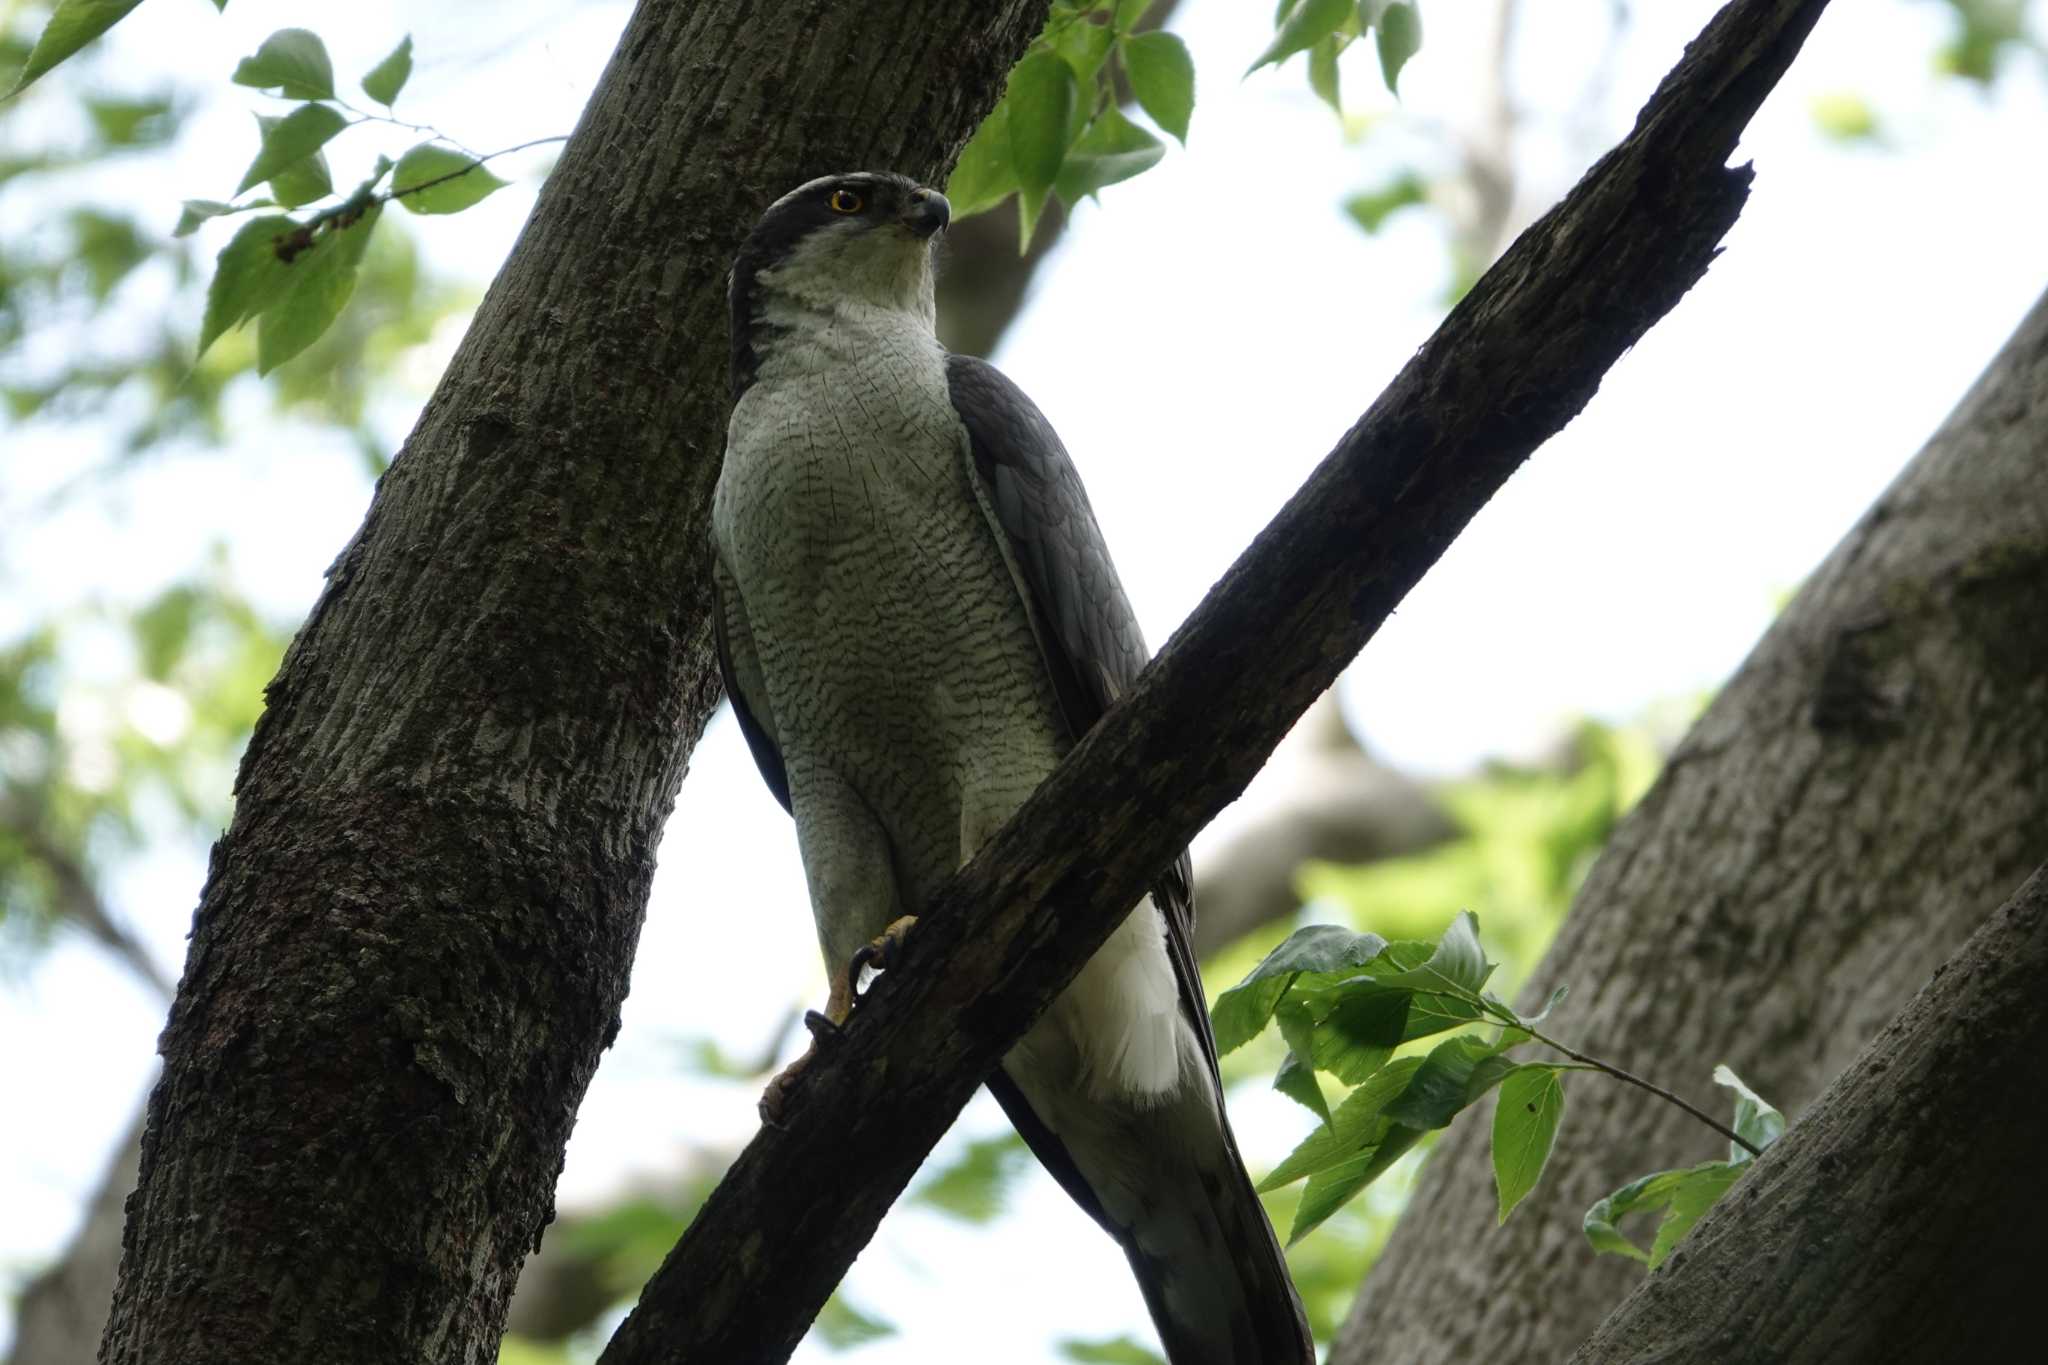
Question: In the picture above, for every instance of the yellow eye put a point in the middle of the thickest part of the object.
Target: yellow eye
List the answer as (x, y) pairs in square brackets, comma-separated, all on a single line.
[(844, 201)]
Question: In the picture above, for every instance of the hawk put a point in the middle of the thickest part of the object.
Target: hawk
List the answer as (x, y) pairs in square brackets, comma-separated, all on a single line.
[(917, 618)]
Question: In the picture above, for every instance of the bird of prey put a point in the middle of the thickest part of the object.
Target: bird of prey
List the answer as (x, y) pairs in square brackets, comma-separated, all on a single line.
[(917, 617)]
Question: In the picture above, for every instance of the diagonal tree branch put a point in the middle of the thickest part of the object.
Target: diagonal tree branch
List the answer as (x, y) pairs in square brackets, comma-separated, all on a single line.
[(1517, 359)]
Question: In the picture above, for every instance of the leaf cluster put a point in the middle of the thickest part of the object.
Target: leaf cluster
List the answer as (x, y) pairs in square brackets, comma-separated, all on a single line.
[(1684, 1195), (292, 276), (1349, 1005), (1059, 128), (1346, 1003), (1326, 29)]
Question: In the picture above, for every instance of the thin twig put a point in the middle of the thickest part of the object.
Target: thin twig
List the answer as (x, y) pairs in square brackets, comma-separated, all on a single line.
[(1621, 1075)]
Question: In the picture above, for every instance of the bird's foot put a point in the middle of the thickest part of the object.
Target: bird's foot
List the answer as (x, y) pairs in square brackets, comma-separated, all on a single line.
[(882, 953)]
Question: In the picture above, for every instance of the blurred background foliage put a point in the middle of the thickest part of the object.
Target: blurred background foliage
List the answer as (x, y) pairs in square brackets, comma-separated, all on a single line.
[(122, 718)]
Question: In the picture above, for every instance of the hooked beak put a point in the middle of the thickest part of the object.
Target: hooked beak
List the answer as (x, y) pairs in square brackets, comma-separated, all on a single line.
[(927, 213)]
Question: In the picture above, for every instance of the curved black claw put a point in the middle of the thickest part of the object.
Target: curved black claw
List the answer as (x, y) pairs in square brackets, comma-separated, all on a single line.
[(882, 953), (821, 1026)]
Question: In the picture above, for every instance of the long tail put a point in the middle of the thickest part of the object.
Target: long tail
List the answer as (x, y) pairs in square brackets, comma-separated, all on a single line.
[(1167, 1183), (1211, 1269)]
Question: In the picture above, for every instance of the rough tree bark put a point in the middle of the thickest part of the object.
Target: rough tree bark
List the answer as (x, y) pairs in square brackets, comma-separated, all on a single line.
[(415, 936), (1872, 780), (1516, 360), (1899, 1219)]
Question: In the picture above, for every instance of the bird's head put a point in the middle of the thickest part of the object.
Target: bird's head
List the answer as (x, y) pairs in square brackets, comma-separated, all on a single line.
[(840, 244)]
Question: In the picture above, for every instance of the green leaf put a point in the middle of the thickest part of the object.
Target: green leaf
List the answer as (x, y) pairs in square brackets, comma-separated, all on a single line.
[(975, 1187), (842, 1327), (1112, 149), (293, 61), (1322, 71), (431, 179), (1241, 1012), (1524, 1130), (1399, 34), (1307, 24), (198, 211), (247, 277), (984, 176), (1042, 96), (1755, 1120), (1114, 1351), (1298, 1083), (1690, 1200), (1370, 209), (1162, 76), (1084, 46), (1356, 1037), (73, 24), (1457, 961), (1328, 1191), (1685, 1194), (389, 76), (1129, 12), (322, 275), (301, 181), (1442, 1085), (1356, 1124), (299, 134)]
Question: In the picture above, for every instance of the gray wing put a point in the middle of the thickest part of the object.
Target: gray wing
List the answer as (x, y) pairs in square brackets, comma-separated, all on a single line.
[(740, 670), (1086, 629)]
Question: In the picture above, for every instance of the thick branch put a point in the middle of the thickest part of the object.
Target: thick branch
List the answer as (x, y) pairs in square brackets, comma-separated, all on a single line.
[(1516, 360), (1899, 1218)]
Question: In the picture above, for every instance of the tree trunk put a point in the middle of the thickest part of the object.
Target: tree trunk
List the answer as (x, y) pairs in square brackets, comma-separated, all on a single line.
[(1869, 783), (415, 936), (1899, 1219)]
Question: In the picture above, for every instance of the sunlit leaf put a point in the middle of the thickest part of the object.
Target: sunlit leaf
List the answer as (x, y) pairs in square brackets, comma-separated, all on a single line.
[(293, 61), (248, 276), (1307, 24), (299, 134), (389, 76), (72, 25), (1113, 149), (1371, 208), (975, 1186), (1043, 96), (1084, 46), (1525, 1124), (1113, 1351), (1756, 1120), (842, 1327), (434, 179), (1162, 76), (322, 276), (1399, 35), (1323, 76), (985, 175)]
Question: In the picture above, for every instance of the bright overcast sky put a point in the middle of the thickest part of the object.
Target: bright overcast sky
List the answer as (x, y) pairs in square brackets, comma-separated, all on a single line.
[(1201, 341)]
